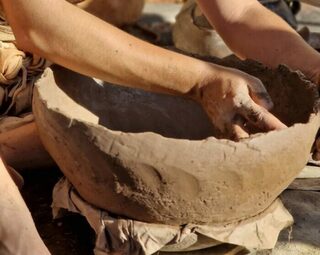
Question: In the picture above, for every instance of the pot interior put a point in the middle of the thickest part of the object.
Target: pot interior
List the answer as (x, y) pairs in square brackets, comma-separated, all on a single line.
[(133, 110)]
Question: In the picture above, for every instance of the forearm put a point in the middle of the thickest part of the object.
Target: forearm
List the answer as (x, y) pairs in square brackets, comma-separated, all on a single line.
[(254, 32), (68, 36)]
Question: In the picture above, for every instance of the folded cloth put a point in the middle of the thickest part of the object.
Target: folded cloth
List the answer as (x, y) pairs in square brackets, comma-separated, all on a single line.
[(130, 237), (18, 73)]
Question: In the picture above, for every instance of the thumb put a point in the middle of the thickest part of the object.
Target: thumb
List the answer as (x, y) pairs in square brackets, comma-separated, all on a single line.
[(259, 94)]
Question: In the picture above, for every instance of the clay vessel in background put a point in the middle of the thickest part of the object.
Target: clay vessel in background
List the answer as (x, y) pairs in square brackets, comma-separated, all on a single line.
[(193, 33), (116, 12), (154, 157)]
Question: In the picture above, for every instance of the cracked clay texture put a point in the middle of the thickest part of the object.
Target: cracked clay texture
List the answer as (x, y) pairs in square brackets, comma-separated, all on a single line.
[(156, 158)]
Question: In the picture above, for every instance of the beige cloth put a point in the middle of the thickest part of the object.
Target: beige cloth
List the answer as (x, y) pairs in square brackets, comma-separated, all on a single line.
[(192, 33), (131, 237), (18, 72)]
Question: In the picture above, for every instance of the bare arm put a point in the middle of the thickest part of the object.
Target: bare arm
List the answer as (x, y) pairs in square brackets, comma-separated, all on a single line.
[(252, 31), (66, 35), (60, 32)]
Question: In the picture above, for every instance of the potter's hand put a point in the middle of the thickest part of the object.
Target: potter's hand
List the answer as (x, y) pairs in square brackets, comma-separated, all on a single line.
[(234, 98)]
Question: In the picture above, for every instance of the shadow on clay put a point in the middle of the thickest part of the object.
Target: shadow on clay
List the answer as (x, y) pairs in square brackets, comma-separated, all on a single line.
[(135, 111)]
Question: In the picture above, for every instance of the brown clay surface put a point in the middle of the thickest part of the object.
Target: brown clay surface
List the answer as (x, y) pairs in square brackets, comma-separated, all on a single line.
[(72, 235), (146, 156)]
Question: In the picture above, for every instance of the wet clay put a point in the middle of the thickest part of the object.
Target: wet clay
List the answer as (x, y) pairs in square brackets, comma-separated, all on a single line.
[(154, 157)]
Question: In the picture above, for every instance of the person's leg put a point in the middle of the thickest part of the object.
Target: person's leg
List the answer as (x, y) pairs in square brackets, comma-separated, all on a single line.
[(18, 234), (21, 148)]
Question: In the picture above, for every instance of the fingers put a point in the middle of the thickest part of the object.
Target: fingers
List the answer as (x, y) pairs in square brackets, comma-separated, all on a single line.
[(258, 115), (236, 129), (259, 93)]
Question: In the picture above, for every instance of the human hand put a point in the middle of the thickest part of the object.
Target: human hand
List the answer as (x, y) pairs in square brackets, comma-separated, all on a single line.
[(233, 98)]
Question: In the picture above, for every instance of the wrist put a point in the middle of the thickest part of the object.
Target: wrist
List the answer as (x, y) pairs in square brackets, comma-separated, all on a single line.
[(207, 73)]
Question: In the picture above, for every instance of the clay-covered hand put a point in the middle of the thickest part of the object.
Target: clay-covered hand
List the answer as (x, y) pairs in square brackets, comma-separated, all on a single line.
[(234, 98)]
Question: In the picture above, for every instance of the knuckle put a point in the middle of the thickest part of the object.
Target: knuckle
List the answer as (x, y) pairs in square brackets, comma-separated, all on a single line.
[(237, 103), (241, 101)]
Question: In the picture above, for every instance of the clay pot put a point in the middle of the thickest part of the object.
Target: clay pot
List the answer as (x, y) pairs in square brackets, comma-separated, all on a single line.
[(116, 12), (193, 33), (154, 157)]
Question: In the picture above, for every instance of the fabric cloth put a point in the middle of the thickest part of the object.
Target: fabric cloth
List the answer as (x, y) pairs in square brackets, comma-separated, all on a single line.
[(129, 237), (18, 72)]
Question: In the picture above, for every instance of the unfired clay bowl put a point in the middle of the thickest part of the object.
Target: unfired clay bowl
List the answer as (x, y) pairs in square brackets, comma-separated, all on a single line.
[(154, 158)]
